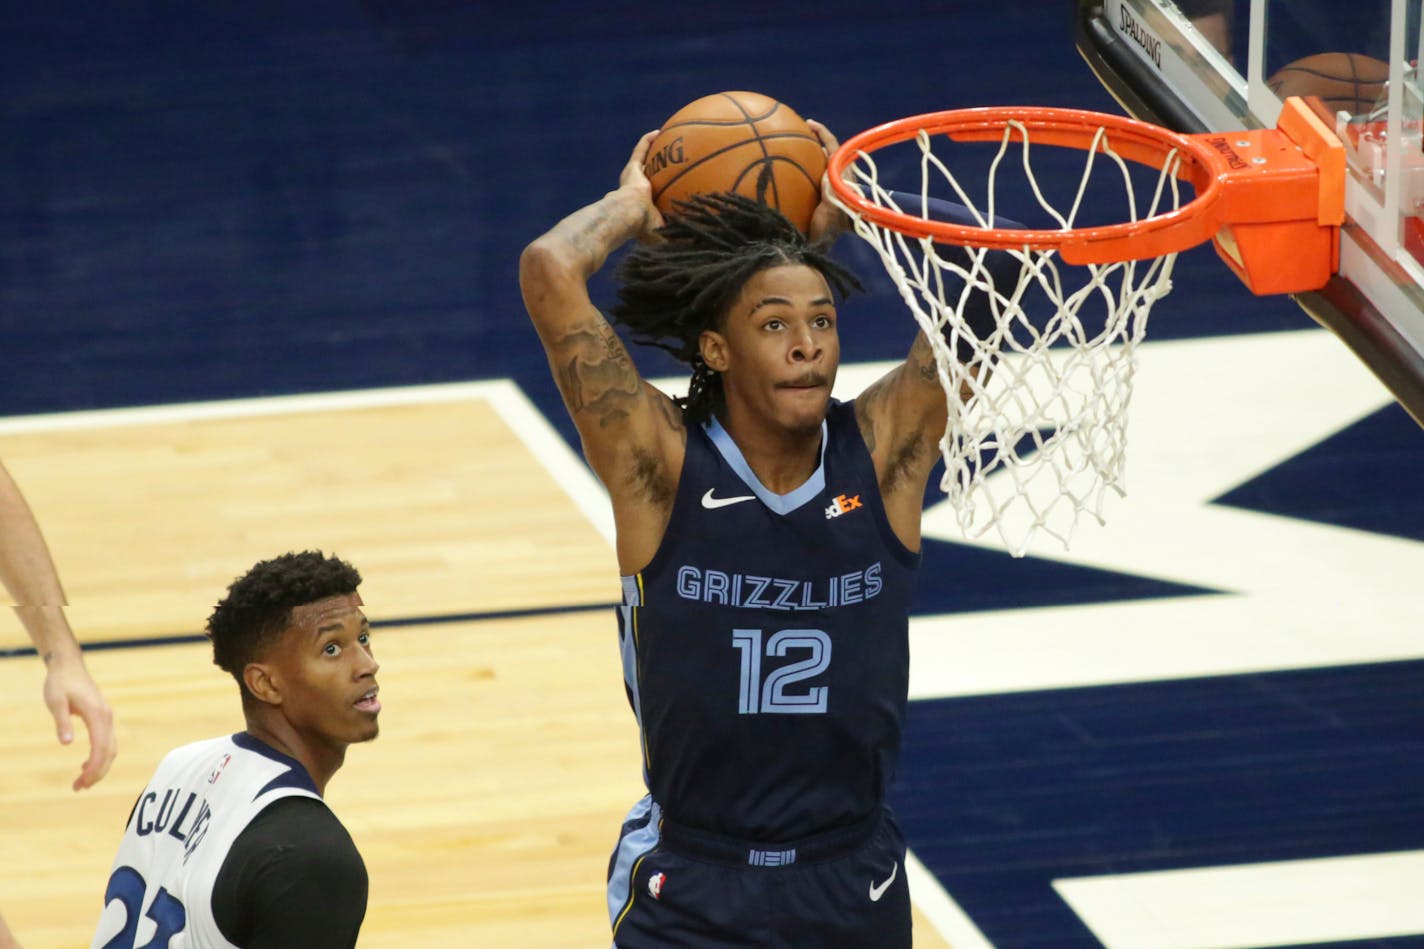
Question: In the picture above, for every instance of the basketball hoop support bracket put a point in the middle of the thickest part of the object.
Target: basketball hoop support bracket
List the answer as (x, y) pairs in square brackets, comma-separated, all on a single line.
[(1282, 202)]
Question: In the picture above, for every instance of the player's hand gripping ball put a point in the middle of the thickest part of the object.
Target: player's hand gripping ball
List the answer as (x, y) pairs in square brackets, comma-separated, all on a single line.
[(738, 141)]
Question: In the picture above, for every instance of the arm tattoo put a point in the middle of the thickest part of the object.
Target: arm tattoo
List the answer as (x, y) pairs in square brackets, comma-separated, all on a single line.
[(899, 401), (591, 238), (673, 418), (866, 407), (595, 373), (923, 360), (595, 232)]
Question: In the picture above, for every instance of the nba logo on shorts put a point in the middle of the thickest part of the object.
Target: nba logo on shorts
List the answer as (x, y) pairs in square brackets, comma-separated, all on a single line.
[(655, 885)]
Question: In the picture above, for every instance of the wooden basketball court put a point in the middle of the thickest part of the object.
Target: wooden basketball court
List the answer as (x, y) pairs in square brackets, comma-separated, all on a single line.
[(487, 808)]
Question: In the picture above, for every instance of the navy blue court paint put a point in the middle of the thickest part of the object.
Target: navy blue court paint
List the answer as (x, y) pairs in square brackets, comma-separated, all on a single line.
[(1340, 480), (958, 578), (198, 204), (1000, 795)]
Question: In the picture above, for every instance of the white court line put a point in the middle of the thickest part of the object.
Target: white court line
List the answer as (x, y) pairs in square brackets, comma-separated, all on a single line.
[(253, 407), (513, 406), (1157, 641), (937, 906), (553, 452), (1265, 904)]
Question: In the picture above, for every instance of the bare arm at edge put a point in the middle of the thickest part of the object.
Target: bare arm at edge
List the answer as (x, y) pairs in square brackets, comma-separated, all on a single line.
[(28, 573)]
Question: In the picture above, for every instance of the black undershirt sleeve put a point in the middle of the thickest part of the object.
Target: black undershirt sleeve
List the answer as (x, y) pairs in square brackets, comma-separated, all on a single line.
[(292, 878)]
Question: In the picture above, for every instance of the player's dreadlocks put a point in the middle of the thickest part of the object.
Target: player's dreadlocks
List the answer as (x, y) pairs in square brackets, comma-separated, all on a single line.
[(712, 245)]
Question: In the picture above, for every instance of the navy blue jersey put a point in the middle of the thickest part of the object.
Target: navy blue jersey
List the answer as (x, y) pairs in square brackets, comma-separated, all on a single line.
[(765, 646)]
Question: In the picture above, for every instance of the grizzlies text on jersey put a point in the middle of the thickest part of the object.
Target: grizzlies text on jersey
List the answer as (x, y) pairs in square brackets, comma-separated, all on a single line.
[(765, 646)]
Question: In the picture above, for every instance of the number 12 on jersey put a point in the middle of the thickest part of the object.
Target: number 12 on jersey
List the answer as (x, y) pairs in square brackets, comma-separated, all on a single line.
[(770, 696)]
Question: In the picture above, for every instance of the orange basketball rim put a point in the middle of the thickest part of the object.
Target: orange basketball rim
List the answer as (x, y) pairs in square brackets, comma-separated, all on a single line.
[(1272, 200)]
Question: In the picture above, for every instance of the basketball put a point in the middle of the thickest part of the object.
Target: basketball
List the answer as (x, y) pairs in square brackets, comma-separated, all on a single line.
[(1345, 82), (743, 142)]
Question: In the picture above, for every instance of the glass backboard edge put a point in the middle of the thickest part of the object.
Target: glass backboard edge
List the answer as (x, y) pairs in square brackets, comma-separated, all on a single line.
[(1361, 310)]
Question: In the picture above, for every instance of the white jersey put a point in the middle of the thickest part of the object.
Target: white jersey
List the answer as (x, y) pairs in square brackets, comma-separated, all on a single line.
[(200, 798)]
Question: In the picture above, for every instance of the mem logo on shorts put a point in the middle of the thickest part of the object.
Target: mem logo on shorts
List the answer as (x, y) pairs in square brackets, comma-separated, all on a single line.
[(842, 505), (771, 858)]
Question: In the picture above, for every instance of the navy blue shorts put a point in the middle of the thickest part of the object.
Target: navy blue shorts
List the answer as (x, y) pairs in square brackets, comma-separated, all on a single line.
[(672, 886)]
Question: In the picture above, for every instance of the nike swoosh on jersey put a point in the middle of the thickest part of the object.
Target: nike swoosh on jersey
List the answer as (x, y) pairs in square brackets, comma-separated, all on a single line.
[(878, 891), (711, 503)]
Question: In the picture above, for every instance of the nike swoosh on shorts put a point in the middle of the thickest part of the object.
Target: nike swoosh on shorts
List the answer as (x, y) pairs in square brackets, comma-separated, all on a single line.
[(878, 891)]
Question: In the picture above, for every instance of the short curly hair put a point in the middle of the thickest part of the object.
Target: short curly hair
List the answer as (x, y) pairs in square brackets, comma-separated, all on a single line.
[(259, 604)]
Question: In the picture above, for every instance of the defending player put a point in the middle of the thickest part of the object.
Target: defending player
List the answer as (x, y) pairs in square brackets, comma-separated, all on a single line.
[(768, 537), (230, 843)]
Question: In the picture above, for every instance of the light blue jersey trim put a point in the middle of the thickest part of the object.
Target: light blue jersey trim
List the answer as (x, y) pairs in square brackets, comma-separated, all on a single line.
[(627, 645), (780, 503), (632, 847), (628, 649)]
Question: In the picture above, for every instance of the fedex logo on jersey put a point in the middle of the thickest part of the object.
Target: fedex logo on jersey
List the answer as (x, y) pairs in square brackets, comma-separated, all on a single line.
[(842, 505)]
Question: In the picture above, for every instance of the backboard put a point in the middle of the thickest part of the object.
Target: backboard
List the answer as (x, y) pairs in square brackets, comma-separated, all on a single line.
[(1219, 65)]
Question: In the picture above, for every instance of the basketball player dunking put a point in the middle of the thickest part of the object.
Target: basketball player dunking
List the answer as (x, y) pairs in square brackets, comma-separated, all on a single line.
[(230, 843), (768, 539)]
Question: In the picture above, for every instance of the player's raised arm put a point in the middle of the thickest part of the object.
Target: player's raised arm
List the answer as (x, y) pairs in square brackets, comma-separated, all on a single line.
[(619, 418), (902, 417)]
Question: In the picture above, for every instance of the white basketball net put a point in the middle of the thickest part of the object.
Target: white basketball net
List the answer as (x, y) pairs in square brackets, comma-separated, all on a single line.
[(1037, 443)]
